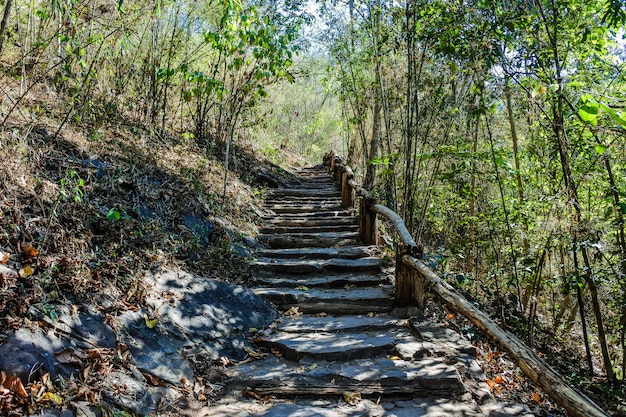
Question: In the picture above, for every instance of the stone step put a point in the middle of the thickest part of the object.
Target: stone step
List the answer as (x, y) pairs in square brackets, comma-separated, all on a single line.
[(314, 215), (346, 252), (376, 376), (301, 200), (310, 324), (331, 346), (308, 240), (303, 266), (331, 301), (308, 192), (286, 209), (308, 229), (271, 279), (308, 220)]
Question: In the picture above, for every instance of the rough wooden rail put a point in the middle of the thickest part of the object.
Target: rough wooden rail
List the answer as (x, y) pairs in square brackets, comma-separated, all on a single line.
[(414, 278)]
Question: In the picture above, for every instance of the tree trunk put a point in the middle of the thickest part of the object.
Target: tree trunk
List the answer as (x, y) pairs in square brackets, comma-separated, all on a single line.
[(5, 21), (576, 404), (558, 125)]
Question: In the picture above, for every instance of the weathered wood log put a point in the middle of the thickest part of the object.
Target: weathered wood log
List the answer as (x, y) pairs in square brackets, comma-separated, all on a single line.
[(412, 247), (409, 282), (367, 222), (347, 192), (576, 403)]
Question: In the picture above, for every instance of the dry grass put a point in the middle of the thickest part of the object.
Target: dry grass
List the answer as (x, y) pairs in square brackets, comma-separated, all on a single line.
[(103, 203)]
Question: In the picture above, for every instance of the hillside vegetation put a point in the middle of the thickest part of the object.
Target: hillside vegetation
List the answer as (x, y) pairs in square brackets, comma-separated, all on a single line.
[(138, 134)]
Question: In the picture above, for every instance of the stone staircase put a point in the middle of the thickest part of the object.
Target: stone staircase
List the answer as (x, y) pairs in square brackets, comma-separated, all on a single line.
[(341, 349)]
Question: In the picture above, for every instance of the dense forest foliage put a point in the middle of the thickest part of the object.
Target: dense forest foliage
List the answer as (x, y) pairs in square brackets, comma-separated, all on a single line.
[(495, 128)]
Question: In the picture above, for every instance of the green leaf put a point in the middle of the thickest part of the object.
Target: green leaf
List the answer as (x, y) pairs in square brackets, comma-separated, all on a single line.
[(600, 149), (113, 215), (589, 113), (623, 207)]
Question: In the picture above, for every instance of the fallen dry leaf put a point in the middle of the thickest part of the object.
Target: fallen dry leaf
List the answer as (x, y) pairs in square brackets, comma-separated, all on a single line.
[(276, 352), (26, 272), (252, 393), (352, 398), (4, 257), (150, 323), (12, 383), (51, 397), (536, 397), (253, 354), (29, 251), (292, 312), (70, 356), (153, 379)]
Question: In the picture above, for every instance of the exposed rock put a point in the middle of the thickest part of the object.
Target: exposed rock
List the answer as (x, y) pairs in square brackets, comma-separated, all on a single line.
[(201, 228)]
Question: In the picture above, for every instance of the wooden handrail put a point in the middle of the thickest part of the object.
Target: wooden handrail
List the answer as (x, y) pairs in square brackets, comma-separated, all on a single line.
[(412, 277)]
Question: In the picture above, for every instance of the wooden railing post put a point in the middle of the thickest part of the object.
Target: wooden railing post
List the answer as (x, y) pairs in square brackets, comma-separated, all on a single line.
[(410, 284), (347, 192), (367, 222), (337, 166)]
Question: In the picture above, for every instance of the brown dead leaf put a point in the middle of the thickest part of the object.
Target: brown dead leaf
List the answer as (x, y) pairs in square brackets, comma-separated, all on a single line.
[(491, 383), (252, 393), (4, 257), (266, 400), (70, 356), (153, 379), (498, 380), (98, 353), (12, 383), (450, 316), (86, 372), (29, 251), (536, 397)]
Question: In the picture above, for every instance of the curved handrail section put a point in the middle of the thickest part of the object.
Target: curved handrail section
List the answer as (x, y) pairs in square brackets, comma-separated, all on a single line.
[(413, 277)]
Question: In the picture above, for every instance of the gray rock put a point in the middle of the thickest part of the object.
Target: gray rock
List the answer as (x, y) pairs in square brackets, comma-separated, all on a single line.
[(201, 228), (25, 351), (135, 395), (240, 251), (53, 412)]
